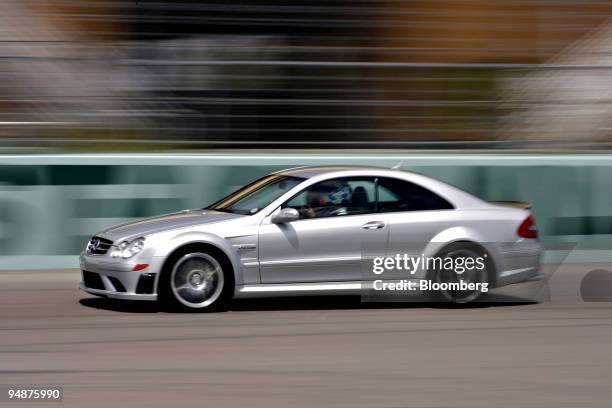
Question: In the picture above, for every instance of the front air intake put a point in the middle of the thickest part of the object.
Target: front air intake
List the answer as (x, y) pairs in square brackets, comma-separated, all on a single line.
[(117, 284), (93, 280), (145, 283)]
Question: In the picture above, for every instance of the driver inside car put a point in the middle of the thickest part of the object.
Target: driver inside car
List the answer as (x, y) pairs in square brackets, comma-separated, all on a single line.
[(325, 200)]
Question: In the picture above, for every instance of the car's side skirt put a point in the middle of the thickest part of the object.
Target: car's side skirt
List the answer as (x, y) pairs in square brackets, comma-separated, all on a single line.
[(298, 289)]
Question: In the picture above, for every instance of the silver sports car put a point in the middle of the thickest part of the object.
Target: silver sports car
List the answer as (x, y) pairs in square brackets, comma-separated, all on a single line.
[(316, 231)]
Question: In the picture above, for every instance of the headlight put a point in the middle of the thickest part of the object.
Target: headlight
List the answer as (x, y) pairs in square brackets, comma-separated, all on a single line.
[(127, 249)]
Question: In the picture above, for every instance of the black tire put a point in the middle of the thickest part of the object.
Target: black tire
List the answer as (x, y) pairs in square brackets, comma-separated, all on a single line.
[(196, 278), (481, 276)]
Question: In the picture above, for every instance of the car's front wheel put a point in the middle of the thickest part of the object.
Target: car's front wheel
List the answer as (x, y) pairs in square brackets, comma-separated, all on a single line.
[(196, 280)]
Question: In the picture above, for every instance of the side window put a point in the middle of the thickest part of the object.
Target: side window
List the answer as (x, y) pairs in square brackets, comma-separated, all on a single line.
[(336, 197), (400, 195)]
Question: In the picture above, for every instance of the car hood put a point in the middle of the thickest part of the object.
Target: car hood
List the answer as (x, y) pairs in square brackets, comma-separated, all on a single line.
[(145, 226)]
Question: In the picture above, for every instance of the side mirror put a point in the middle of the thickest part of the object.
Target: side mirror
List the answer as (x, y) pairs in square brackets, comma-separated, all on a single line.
[(286, 215)]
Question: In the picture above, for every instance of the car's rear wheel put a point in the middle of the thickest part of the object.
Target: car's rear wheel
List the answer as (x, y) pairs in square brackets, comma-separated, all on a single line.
[(197, 280), (474, 275)]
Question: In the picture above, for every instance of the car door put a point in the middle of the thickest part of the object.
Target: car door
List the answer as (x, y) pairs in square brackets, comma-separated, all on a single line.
[(414, 214), (337, 219)]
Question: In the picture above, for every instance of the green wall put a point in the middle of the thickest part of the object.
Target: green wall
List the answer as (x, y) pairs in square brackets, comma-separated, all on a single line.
[(51, 204)]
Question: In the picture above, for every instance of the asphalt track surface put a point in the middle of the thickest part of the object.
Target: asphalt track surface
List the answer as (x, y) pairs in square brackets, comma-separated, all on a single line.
[(310, 352)]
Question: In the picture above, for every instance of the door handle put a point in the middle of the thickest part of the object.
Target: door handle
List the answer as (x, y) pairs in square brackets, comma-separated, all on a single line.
[(372, 225)]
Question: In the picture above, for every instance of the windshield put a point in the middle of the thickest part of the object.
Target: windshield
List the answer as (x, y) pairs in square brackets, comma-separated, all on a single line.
[(257, 195)]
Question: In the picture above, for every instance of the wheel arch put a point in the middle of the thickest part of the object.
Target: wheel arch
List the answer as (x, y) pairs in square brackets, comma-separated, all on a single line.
[(206, 243), (470, 236)]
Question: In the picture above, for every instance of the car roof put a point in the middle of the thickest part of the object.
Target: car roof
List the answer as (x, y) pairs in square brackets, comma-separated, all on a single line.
[(312, 171)]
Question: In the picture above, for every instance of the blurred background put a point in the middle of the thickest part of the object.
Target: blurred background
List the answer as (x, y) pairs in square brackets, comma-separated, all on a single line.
[(112, 110), (332, 73)]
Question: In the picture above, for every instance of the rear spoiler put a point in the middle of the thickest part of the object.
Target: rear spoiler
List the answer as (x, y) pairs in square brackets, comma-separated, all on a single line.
[(515, 204)]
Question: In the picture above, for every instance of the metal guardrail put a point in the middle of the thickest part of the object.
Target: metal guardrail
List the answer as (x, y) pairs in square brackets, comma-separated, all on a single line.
[(209, 73)]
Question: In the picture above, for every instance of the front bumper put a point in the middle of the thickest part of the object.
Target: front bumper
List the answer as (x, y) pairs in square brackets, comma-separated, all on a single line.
[(117, 295), (113, 278)]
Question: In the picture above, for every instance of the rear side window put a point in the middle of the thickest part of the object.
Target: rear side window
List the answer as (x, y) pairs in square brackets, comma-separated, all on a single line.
[(399, 195)]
